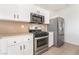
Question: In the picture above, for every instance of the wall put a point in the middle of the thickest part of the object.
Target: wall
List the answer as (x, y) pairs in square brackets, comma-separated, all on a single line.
[(9, 27), (71, 17), (39, 26), (14, 28)]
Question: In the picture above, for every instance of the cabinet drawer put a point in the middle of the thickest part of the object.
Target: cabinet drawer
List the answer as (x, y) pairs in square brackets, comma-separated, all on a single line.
[(13, 42)]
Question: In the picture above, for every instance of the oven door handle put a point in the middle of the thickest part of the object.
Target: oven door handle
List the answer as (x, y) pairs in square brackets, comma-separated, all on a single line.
[(41, 37)]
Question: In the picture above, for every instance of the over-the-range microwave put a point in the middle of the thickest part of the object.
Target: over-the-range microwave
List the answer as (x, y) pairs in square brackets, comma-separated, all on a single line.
[(36, 18)]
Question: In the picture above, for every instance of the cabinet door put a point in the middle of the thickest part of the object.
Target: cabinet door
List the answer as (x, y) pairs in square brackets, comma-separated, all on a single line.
[(28, 46), (7, 12), (24, 13), (46, 13), (36, 9), (25, 48), (4, 11), (51, 39), (13, 12), (3, 46), (15, 49), (15, 44)]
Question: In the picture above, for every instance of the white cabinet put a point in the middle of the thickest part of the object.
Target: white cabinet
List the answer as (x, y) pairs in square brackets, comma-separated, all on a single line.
[(13, 12), (15, 49), (3, 46), (21, 12), (4, 12), (24, 13), (25, 10), (22, 45), (51, 39), (8, 12), (27, 46), (17, 45), (46, 17)]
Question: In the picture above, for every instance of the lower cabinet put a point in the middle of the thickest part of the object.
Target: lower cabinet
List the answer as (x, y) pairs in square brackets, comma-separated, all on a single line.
[(51, 39), (27, 47), (15, 50), (17, 45), (24, 47), (3, 46)]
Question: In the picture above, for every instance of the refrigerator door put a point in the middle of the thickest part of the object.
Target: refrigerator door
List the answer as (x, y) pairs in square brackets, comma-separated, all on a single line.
[(60, 31), (60, 25)]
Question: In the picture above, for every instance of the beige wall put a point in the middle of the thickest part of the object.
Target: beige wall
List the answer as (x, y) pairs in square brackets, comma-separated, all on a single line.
[(11, 27)]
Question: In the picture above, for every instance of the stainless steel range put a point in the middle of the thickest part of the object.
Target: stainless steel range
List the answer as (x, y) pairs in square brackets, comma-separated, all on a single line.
[(40, 41)]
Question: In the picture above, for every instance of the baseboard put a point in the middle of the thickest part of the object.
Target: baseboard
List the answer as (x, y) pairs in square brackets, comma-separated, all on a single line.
[(72, 43)]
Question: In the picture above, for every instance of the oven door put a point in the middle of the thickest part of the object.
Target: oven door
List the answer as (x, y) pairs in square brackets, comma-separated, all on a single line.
[(41, 43)]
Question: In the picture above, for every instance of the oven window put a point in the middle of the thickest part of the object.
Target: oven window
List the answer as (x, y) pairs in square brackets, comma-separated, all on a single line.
[(42, 42)]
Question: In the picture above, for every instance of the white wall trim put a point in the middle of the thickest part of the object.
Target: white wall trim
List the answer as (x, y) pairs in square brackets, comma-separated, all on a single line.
[(72, 42)]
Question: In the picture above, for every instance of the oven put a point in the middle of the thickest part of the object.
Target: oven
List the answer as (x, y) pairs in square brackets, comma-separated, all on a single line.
[(41, 44)]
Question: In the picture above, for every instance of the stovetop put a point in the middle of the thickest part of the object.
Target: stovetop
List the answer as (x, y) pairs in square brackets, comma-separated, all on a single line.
[(39, 33)]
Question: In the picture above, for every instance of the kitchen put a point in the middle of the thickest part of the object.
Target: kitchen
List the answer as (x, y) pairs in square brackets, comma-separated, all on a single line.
[(27, 29), (15, 25)]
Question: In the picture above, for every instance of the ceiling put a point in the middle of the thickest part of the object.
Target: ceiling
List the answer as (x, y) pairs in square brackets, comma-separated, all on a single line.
[(52, 7)]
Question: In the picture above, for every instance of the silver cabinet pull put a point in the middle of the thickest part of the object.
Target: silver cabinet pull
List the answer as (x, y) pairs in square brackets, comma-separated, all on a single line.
[(28, 39), (17, 16), (20, 47), (24, 46), (14, 41), (14, 16)]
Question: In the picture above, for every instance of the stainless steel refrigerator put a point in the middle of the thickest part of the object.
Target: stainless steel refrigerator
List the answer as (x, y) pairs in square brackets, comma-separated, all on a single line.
[(57, 26)]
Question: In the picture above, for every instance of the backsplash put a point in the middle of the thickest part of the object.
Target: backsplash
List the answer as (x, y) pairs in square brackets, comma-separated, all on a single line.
[(10, 27), (43, 27), (13, 27)]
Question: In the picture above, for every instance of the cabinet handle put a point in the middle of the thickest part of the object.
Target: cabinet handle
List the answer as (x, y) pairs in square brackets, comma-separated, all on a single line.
[(24, 46), (14, 41), (17, 16), (20, 47), (14, 16), (28, 39)]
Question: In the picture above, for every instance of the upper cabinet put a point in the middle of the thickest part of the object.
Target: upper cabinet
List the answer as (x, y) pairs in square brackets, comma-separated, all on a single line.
[(8, 12), (24, 12), (21, 12)]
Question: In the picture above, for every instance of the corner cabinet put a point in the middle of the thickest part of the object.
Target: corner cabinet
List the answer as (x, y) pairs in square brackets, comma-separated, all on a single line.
[(17, 45)]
